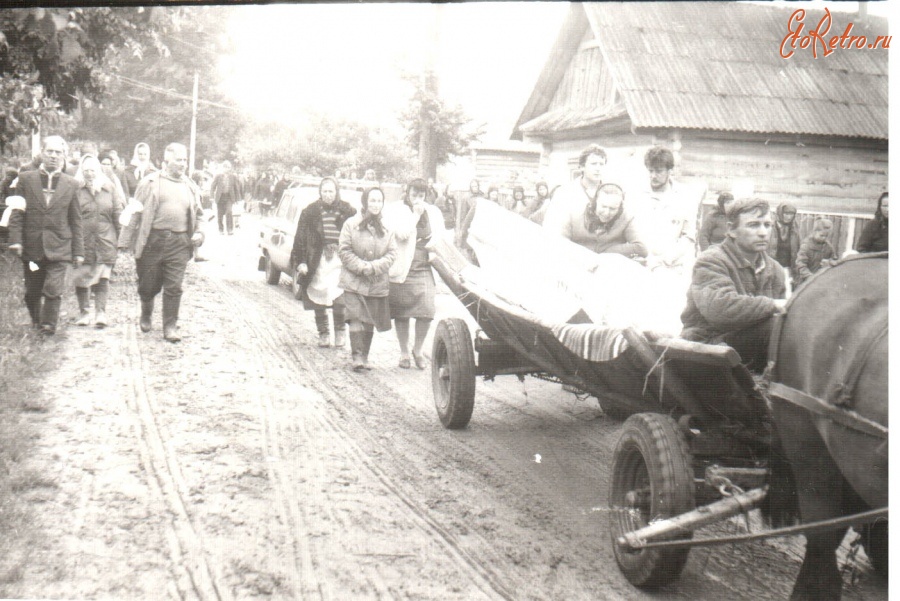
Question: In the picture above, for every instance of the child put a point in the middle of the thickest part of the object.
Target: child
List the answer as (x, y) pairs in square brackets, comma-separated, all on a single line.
[(816, 251)]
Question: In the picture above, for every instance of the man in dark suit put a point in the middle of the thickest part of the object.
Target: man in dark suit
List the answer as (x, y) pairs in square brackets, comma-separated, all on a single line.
[(226, 190), (47, 235)]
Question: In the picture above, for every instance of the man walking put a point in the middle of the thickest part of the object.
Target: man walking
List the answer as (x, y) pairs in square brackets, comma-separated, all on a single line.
[(47, 235), (164, 238), (226, 190)]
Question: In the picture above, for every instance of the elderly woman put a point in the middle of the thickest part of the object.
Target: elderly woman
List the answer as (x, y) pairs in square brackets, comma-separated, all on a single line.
[(141, 166), (367, 250), (605, 225), (517, 204), (536, 209), (101, 206), (315, 254), (416, 225)]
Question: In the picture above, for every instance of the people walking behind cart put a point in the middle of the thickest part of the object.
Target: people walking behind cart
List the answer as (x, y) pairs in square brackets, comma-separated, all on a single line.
[(785, 241), (367, 250), (874, 237), (465, 214), (48, 234), (101, 206), (226, 190), (736, 287), (141, 166), (315, 253), (715, 224), (816, 251), (573, 197), (262, 192), (536, 209), (446, 203), (163, 236), (416, 225)]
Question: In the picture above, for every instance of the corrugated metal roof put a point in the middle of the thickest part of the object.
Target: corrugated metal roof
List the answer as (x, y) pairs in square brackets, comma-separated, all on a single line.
[(716, 65)]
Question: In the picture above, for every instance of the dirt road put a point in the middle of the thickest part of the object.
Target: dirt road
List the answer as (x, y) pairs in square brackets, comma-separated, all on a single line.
[(245, 462)]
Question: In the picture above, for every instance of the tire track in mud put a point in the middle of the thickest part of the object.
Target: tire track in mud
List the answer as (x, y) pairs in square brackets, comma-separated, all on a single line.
[(278, 344), (195, 578)]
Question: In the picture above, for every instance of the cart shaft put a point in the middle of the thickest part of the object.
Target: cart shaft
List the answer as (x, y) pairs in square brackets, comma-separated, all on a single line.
[(692, 520)]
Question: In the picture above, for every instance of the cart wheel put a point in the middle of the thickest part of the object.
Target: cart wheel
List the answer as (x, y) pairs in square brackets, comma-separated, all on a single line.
[(296, 288), (652, 479), (875, 542), (273, 275), (453, 373)]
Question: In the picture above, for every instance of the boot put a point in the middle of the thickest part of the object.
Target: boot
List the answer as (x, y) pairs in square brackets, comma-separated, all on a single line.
[(146, 315), (50, 315), (340, 338), (34, 310), (171, 305), (356, 345), (367, 336), (101, 293), (84, 316), (324, 339)]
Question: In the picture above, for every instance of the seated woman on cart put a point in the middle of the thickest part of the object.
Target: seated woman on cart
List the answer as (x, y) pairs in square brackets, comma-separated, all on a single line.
[(736, 288)]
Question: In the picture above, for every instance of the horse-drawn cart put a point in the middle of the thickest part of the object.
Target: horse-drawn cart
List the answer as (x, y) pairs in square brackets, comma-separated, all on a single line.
[(697, 446)]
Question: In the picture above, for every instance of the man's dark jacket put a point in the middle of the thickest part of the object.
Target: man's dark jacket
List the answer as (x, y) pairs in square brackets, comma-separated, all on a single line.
[(47, 231)]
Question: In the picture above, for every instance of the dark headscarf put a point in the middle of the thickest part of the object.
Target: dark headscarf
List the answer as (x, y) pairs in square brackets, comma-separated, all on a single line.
[(591, 221), (723, 198), (537, 190), (879, 216), (369, 219)]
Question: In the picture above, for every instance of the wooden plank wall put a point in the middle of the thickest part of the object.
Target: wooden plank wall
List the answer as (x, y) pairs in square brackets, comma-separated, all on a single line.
[(821, 179), (494, 167), (586, 82)]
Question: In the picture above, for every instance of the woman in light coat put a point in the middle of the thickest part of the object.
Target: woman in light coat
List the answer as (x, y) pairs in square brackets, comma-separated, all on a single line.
[(416, 226), (101, 206), (367, 250)]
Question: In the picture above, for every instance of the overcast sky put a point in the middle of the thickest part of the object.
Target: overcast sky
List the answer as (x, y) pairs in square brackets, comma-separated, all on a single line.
[(346, 58)]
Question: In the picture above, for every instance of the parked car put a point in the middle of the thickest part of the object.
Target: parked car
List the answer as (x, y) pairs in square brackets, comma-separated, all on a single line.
[(276, 236)]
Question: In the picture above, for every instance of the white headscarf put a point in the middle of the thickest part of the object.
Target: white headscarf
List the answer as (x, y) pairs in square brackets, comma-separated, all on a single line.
[(100, 178)]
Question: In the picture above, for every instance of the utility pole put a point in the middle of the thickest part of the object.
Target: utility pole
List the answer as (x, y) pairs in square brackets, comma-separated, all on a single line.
[(193, 149)]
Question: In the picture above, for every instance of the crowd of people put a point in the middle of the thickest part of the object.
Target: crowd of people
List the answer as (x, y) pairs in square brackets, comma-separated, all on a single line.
[(371, 268)]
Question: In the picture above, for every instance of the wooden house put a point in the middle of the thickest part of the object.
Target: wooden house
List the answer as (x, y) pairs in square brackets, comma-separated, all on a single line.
[(707, 80)]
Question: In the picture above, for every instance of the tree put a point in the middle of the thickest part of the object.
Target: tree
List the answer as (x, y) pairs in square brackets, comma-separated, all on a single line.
[(436, 129), (148, 95), (326, 144), (50, 58)]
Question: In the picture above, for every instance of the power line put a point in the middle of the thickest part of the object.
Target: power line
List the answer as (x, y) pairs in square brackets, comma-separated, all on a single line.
[(151, 88)]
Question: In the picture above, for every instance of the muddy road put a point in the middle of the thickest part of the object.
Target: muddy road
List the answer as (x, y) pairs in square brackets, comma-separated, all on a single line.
[(246, 462)]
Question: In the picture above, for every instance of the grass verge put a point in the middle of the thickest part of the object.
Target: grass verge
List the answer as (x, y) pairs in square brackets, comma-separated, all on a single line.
[(20, 394)]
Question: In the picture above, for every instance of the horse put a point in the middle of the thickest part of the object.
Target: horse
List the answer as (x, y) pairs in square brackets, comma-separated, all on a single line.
[(828, 378)]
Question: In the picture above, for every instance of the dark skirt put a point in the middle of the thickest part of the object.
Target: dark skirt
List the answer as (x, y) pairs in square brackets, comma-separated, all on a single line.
[(415, 296), (373, 310)]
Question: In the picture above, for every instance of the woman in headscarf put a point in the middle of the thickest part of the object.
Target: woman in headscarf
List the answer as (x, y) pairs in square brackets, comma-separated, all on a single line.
[(784, 242), (141, 166), (316, 258), (715, 224), (874, 237), (367, 250), (535, 210), (518, 205), (416, 225), (605, 225), (101, 206)]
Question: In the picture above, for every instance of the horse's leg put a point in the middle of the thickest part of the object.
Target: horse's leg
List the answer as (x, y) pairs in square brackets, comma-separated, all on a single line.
[(819, 578)]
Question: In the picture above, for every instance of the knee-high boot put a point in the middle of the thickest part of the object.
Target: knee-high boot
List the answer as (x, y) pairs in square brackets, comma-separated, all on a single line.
[(50, 315), (367, 344), (357, 342), (146, 315), (171, 304), (84, 316), (101, 293)]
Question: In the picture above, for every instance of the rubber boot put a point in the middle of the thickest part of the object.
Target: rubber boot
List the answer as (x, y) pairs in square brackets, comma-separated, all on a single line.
[(367, 336), (34, 310), (146, 315), (101, 293), (50, 315), (84, 316), (171, 305), (340, 337), (356, 345)]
